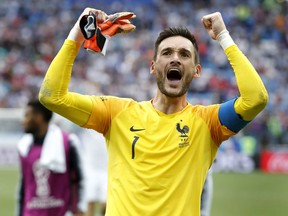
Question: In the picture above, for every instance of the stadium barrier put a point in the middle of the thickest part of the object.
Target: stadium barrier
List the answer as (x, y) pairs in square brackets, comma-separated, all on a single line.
[(274, 161), (233, 155)]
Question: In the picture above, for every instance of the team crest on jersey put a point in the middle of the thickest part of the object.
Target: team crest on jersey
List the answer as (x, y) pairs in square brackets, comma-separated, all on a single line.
[(183, 131)]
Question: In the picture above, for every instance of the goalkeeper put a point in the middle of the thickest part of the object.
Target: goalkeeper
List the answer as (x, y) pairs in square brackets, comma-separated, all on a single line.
[(159, 151)]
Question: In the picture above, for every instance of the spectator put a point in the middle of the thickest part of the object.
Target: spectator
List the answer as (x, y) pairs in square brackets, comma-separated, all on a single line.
[(31, 31)]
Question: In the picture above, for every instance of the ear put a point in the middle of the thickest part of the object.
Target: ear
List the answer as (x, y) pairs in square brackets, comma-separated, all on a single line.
[(197, 71), (152, 67)]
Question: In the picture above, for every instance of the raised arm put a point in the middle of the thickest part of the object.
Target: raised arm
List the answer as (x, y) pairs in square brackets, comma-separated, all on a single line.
[(253, 95), (54, 92), (94, 28)]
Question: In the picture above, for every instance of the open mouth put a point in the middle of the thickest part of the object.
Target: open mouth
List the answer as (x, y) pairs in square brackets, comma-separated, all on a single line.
[(174, 74)]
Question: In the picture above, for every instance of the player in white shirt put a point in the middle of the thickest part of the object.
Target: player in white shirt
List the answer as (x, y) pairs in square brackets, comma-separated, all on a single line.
[(95, 168)]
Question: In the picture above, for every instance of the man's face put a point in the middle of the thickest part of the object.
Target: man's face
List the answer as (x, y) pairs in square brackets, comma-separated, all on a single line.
[(174, 67), (30, 121)]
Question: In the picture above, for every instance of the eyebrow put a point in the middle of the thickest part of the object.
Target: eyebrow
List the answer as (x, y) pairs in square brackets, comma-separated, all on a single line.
[(180, 50), (171, 49)]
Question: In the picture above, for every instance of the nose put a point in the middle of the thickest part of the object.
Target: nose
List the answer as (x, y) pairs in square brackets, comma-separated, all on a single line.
[(175, 58)]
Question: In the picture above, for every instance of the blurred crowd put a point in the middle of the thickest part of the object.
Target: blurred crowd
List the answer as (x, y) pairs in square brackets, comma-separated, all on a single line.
[(32, 31)]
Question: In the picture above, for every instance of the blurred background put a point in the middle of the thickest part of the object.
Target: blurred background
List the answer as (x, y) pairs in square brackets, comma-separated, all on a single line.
[(250, 173)]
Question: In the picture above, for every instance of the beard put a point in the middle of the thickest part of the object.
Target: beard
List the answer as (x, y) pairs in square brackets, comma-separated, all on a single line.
[(184, 89), (30, 128)]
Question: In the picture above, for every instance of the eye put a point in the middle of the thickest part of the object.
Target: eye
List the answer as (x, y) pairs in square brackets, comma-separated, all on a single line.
[(167, 52), (185, 54)]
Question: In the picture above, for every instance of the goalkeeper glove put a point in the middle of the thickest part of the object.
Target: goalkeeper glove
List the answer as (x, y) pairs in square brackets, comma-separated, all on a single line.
[(97, 35)]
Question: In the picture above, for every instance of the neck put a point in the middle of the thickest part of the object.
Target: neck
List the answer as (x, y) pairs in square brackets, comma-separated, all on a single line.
[(169, 105)]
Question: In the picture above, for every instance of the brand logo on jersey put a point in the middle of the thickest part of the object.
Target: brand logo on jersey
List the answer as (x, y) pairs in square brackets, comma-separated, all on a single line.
[(132, 129), (183, 130)]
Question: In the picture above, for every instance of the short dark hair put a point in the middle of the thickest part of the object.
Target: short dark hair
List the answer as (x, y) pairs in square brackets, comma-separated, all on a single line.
[(177, 31), (39, 108)]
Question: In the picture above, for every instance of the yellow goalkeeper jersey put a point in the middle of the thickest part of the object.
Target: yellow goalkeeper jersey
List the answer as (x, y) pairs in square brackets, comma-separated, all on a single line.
[(157, 163), (164, 158)]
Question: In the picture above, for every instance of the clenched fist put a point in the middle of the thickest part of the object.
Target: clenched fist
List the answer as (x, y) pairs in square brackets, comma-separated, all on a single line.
[(214, 24)]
